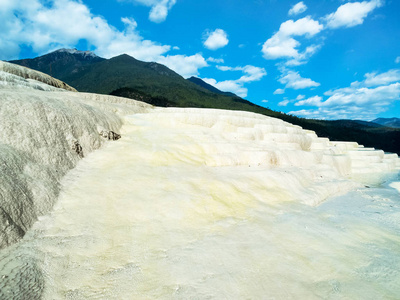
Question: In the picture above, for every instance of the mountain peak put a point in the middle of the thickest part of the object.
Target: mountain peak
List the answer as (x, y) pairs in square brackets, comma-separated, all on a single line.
[(123, 56), (75, 51)]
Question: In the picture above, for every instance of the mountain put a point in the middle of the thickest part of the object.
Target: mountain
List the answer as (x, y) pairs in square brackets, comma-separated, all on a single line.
[(369, 124), (156, 84), (209, 87), (129, 76), (389, 122), (60, 63), (356, 124)]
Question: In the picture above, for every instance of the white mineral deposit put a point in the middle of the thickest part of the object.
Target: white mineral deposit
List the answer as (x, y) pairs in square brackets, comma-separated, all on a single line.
[(187, 204)]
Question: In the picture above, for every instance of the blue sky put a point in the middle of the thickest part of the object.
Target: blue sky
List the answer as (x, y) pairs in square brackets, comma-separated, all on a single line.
[(327, 59)]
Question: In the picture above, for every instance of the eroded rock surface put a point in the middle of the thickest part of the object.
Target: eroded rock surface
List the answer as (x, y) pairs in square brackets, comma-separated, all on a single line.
[(44, 133), (110, 135)]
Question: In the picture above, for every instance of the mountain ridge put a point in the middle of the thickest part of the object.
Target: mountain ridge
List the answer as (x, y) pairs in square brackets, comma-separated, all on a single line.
[(77, 52), (209, 87), (389, 122)]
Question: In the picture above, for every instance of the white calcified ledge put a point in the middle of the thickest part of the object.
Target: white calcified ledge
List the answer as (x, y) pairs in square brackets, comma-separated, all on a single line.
[(40, 127)]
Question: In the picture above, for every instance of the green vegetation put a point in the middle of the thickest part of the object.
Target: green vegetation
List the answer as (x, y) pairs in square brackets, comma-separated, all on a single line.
[(141, 96)]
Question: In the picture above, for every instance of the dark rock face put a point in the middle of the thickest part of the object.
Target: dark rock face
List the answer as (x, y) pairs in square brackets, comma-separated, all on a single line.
[(77, 148), (110, 135)]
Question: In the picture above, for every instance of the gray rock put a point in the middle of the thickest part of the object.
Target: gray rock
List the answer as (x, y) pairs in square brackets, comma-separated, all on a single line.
[(110, 135)]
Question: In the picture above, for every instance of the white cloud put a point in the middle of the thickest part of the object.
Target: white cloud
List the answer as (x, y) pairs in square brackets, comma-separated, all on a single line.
[(280, 46), (312, 101), (305, 26), (127, 41), (363, 96), (374, 79), (300, 97), (226, 68), (283, 103), (397, 60), (264, 101), (130, 23), (376, 89), (361, 100), (303, 57), (186, 66), (216, 39), (251, 73), (351, 14), (46, 26), (279, 91), (283, 45), (337, 114), (159, 12), (159, 8), (64, 23), (297, 9), (293, 80), (216, 60)]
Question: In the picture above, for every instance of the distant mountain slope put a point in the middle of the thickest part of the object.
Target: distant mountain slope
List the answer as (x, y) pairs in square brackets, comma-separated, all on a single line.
[(389, 122), (209, 87), (357, 123), (156, 84)]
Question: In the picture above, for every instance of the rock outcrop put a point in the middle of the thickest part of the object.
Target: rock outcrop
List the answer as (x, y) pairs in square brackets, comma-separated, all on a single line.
[(110, 135), (34, 75)]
